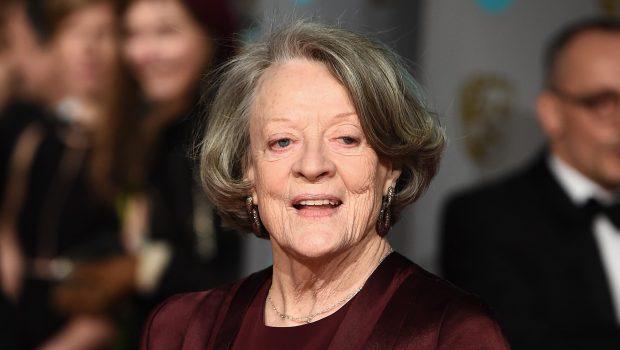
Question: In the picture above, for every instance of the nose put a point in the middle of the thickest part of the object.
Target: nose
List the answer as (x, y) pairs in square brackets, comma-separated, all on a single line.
[(314, 164)]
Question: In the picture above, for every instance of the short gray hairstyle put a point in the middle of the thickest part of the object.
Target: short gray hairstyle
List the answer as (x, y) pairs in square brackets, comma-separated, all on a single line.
[(396, 122)]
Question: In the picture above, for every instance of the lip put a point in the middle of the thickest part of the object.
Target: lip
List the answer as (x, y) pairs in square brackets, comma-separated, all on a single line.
[(316, 205)]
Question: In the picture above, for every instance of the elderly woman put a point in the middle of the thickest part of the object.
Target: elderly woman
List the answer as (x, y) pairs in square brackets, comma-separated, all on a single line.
[(317, 140)]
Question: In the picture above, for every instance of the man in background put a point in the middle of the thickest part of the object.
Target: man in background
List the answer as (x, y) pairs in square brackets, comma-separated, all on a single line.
[(542, 246)]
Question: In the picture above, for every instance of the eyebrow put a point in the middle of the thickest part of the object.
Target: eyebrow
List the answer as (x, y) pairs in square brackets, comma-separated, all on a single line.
[(345, 114)]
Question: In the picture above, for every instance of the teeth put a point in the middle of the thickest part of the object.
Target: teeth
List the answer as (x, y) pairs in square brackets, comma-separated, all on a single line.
[(318, 202)]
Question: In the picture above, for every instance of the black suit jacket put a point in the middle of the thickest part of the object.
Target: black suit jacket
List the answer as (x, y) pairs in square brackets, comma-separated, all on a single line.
[(523, 246)]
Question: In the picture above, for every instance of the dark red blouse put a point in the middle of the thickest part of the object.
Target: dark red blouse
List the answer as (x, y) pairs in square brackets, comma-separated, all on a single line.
[(400, 307), (255, 335)]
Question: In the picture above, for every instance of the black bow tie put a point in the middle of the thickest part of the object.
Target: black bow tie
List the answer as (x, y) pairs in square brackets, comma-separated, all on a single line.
[(592, 208)]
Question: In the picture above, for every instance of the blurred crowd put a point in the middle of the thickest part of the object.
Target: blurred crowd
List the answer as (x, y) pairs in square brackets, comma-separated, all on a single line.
[(101, 216)]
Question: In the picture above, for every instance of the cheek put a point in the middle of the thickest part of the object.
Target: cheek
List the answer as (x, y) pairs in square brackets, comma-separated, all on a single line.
[(189, 51), (66, 50), (585, 137), (272, 179), (360, 174), (272, 190), (185, 62), (134, 50), (365, 192)]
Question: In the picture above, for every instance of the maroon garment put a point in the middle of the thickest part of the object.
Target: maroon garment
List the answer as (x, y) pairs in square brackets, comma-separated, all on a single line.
[(255, 335), (401, 307)]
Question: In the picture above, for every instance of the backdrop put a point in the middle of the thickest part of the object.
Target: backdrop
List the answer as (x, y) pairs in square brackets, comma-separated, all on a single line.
[(480, 64)]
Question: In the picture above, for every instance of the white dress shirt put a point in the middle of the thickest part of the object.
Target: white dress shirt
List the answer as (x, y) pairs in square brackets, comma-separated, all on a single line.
[(579, 189)]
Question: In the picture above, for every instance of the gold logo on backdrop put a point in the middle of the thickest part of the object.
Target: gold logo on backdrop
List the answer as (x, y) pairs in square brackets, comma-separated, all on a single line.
[(610, 7), (486, 102)]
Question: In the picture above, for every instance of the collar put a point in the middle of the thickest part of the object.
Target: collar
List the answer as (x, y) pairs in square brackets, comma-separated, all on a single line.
[(577, 186), (367, 305)]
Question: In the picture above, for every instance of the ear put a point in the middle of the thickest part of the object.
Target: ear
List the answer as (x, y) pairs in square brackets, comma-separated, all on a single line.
[(250, 177), (549, 114), (392, 175)]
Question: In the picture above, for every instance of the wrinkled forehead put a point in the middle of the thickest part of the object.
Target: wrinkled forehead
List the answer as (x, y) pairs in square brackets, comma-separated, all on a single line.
[(299, 89)]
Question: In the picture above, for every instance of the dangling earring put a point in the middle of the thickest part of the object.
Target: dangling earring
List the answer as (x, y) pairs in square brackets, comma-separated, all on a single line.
[(385, 215), (257, 228)]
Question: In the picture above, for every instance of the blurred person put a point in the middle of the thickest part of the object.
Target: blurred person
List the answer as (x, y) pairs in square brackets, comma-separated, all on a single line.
[(172, 236), (50, 202), (317, 139), (543, 244), (30, 75), (8, 314), (25, 73), (85, 44)]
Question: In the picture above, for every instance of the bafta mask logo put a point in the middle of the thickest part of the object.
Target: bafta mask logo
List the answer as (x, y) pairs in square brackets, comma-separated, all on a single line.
[(486, 102)]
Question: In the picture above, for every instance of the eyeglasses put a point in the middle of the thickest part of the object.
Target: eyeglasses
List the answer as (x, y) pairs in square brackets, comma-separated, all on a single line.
[(604, 104)]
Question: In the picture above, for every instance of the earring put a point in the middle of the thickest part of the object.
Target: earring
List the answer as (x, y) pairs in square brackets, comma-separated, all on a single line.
[(257, 228), (385, 215)]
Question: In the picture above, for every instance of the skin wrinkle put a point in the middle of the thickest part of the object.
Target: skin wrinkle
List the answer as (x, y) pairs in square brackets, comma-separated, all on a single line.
[(317, 261)]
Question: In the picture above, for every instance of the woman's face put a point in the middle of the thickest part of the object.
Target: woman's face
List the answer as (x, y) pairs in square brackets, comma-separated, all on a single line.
[(87, 49), (318, 183), (166, 48)]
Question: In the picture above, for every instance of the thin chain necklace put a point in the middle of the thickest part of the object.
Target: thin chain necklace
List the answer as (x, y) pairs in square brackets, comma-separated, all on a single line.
[(310, 317)]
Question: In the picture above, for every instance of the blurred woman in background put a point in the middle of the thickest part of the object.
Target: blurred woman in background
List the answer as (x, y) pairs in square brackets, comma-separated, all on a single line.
[(170, 45), (50, 203), (172, 236)]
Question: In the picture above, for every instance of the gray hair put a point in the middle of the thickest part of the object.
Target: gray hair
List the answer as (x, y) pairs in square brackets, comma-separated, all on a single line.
[(397, 124)]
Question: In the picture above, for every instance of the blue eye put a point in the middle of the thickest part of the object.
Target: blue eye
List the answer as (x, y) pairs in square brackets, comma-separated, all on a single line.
[(283, 143), (348, 140)]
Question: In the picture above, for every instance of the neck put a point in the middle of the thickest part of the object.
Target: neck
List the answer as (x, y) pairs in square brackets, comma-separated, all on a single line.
[(302, 287)]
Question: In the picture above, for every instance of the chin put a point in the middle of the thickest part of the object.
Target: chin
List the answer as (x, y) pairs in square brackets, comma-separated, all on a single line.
[(314, 245), (166, 92)]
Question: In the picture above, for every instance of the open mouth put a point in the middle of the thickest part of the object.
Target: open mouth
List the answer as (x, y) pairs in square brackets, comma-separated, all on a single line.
[(316, 204)]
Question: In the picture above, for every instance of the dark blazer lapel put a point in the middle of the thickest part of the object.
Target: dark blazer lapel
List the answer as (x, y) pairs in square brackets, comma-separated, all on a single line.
[(574, 232), (366, 308), (238, 308)]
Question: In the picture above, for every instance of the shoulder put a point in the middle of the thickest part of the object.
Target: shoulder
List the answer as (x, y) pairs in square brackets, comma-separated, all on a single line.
[(467, 322), (438, 295), (195, 319), (454, 318), (170, 322), (520, 182), (432, 296)]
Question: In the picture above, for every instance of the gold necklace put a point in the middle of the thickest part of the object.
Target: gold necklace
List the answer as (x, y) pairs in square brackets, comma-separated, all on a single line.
[(310, 317)]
